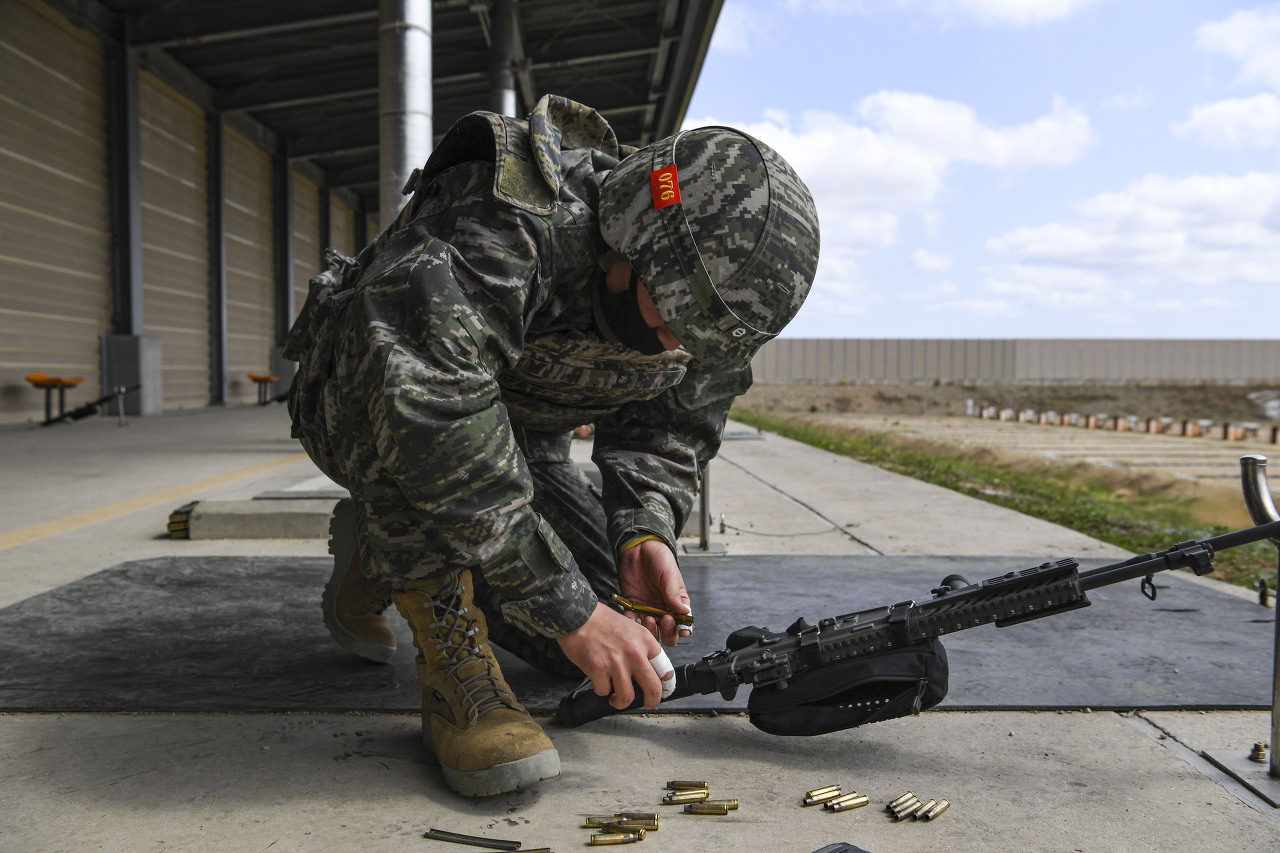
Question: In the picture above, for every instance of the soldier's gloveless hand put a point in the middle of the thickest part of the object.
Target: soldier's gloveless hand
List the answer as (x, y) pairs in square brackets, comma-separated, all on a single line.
[(613, 651), (649, 574)]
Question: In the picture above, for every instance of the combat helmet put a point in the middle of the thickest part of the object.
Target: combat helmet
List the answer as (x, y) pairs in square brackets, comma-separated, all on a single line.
[(722, 232)]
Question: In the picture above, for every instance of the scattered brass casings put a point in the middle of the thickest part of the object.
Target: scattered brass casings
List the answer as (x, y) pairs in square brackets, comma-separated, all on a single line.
[(852, 800), (728, 804), (694, 795), (679, 785), (908, 808), (941, 807), (602, 838), (822, 796), (924, 809), (894, 805), (705, 808)]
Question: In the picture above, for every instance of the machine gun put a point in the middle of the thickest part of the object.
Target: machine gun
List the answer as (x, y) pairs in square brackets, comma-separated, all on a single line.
[(887, 661), (91, 409)]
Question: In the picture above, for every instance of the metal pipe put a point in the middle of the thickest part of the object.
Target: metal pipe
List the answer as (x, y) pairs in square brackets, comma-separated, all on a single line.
[(404, 98), (1257, 497), (704, 509), (502, 57)]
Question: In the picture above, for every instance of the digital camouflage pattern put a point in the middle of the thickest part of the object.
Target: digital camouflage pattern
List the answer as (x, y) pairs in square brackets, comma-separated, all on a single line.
[(438, 378), (724, 284)]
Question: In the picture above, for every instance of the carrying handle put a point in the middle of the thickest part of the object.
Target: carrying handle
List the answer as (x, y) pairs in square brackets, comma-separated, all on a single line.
[(1257, 495)]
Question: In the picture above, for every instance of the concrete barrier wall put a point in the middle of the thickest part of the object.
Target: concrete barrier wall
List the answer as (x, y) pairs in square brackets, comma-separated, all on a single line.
[(904, 361)]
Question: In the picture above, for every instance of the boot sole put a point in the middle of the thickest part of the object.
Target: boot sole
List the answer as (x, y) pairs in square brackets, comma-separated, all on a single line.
[(502, 778), (339, 531)]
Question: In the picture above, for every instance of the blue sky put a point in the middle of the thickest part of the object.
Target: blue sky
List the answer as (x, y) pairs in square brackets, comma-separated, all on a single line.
[(1020, 168)]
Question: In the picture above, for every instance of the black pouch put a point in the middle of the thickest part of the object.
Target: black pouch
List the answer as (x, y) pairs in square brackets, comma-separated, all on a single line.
[(866, 689)]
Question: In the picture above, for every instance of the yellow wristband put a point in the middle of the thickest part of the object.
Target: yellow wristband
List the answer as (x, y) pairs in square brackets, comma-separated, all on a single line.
[(636, 542)]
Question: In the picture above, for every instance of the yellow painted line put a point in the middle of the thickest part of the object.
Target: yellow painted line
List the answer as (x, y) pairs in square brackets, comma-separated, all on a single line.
[(24, 535)]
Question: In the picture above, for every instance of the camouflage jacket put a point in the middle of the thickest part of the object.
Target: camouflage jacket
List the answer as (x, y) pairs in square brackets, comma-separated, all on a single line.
[(471, 313)]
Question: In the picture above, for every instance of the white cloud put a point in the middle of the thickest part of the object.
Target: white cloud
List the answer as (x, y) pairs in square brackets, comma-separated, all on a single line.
[(736, 30), (889, 160), (1251, 36), (1236, 123), (1015, 13), (953, 131), (927, 261), (1134, 100), (1207, 231)]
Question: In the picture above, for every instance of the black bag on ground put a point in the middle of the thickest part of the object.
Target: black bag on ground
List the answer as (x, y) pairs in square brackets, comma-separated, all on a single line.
[(866, 689)]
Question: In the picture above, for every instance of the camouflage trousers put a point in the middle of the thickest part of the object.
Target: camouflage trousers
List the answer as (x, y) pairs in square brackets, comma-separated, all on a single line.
[(562, 494)]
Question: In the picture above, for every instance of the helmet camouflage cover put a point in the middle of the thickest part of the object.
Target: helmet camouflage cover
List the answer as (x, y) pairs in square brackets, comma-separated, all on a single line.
[(723, 234)]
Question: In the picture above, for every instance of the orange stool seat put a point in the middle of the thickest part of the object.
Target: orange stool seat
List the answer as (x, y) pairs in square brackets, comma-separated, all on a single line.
[(264, 381), (49, 384)]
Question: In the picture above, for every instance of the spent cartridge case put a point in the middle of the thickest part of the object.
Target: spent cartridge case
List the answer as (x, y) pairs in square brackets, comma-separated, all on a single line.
[(728, 804), (705, 808), (853, 801), (908, 810), (924, 809), (643, 817), (894, 804), (809, 795), (676, 798), (824, 797), (681, 785), (602, 838), (636, 822), (647, 610), (844, 798), (474, 840), (941, 807)]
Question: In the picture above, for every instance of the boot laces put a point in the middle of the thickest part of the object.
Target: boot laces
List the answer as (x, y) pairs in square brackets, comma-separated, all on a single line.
[(479, 691)]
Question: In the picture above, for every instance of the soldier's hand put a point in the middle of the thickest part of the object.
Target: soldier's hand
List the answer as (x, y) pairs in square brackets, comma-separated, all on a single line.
[(649, 574), (613, 651)]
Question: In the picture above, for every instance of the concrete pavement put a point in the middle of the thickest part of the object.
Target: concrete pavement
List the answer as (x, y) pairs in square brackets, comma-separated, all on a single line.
[(88, 496)]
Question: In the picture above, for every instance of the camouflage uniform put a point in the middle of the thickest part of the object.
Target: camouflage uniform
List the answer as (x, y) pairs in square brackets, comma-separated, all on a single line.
[(441, 376)]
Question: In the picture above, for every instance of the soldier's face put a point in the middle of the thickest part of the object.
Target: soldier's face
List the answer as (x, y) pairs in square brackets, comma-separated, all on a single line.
[(618, 279)]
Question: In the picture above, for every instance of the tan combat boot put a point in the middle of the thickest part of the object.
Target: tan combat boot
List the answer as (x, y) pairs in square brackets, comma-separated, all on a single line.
[(353, 604), (485, 741)]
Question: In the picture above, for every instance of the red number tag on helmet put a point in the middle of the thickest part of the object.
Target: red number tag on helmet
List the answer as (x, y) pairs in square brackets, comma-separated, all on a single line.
[(666, 187)]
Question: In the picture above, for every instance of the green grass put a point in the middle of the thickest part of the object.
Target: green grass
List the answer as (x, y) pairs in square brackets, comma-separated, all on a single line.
[(1137, 512)]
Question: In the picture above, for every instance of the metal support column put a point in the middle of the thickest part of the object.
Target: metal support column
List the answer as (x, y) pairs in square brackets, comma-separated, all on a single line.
[(283, 232), (215, 149), (502, 58), (404, 98), (125, 187)]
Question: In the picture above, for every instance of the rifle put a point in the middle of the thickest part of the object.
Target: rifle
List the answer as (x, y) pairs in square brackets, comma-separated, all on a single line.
[(91, 408), (846, 661)]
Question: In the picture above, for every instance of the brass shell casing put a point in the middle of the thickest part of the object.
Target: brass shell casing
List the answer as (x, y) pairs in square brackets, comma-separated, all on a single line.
[(941, 807), (680, 785), (895, 803), (602, 838), (823, 797), (676, 798), (851, 800), (705, 808), (809, 795), (924, 809)]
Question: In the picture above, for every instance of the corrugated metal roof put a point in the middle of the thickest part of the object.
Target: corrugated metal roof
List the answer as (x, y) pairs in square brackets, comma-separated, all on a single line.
[(308, 70)]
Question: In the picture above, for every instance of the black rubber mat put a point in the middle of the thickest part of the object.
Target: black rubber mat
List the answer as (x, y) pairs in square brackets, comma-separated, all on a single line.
[(245, 634)]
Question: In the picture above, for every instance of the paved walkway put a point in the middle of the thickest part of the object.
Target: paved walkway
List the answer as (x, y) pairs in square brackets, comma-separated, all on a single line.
[(88, 496)]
